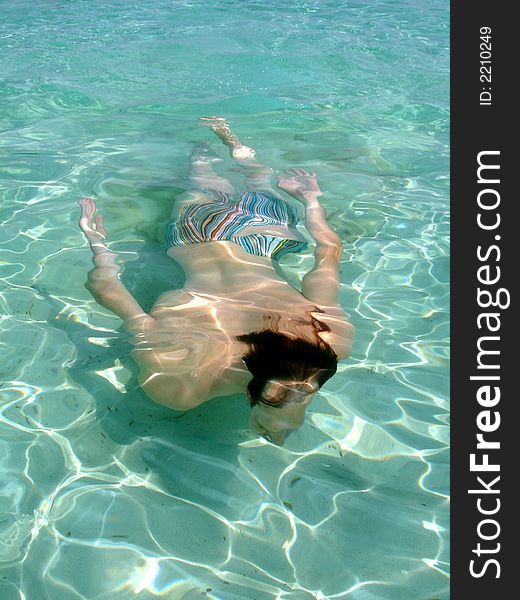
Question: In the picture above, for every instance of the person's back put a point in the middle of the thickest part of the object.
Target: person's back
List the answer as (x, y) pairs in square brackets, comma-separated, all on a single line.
[(237, 324)]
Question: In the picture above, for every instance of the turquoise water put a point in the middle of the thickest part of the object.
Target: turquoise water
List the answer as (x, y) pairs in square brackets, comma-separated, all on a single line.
[(106, 495)]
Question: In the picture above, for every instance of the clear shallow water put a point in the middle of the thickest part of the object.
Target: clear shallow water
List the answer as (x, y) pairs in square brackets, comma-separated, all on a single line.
[(104, 494)]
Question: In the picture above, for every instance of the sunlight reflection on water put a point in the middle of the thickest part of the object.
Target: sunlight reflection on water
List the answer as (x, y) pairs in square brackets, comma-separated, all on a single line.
[(107, 495)]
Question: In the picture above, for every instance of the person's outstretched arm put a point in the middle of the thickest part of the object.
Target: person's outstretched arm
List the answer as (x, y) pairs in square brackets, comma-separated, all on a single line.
[(321, 283), (103, 281)]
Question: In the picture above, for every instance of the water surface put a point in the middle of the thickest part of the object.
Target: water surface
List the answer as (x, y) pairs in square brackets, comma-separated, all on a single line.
[(105, 495)]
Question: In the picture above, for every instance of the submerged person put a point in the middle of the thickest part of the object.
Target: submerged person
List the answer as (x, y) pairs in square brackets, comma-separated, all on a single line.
[(237, 325)]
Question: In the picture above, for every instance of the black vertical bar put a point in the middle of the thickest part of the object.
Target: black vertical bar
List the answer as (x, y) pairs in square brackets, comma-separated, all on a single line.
[(482, 125)]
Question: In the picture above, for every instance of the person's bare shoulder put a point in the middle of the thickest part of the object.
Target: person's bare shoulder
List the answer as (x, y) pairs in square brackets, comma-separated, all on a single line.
[(179, 361), (341, 334)]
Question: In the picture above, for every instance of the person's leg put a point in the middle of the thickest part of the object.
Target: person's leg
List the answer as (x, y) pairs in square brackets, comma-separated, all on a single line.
[(201, 170), (257, 175), (202, 175)]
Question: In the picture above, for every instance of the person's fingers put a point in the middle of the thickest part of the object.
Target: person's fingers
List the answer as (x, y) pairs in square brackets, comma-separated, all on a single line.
[(99, 226), (87, 204), (88, 220), (297, 172), (88, 208), (85, 222)]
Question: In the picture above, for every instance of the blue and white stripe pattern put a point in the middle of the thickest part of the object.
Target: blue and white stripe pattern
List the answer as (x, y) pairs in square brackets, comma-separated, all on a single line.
[(224, 218)]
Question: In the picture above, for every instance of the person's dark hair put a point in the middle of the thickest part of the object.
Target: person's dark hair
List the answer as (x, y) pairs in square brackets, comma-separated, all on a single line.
[(273, 355)]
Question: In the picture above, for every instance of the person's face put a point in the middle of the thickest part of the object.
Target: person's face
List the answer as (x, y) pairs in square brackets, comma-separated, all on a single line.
[(277, 423)]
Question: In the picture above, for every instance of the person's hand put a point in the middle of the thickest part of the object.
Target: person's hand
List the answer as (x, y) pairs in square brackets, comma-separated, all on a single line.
[(299, 183), (96, 236)]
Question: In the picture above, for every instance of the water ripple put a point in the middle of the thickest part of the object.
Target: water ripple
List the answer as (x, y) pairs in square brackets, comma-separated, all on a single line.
[(106, 495)]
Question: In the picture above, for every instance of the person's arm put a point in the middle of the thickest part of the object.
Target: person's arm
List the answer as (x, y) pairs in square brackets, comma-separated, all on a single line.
[(321, 283), (103, 281)]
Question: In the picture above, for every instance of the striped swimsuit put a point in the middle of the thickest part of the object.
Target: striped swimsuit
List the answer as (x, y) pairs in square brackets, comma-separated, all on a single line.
[(224, 218)]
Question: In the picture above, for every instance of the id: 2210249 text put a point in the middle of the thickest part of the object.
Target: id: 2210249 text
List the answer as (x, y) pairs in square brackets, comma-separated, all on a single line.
[(485, 66)]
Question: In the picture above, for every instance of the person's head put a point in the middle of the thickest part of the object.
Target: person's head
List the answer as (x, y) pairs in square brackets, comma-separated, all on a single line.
[(287, 373)]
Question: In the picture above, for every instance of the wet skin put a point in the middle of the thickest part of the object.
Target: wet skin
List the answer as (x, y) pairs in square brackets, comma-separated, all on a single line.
[(186, 346)]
